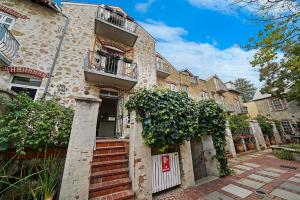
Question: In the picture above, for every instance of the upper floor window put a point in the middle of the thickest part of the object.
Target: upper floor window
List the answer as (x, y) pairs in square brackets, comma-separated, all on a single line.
[(223, 100), (26, 84), (172, 86), (7, 20), (203, 95), (287, 127), (184, 88), (277, 103), (159, 62)]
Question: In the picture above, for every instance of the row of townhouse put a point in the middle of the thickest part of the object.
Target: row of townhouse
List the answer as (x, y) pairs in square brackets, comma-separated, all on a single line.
[(92, 58)]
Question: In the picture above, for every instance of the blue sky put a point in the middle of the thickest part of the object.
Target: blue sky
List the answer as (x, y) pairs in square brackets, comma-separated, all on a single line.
[(205, 36)]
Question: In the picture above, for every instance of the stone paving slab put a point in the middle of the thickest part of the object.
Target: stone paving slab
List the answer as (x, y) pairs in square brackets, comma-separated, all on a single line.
[(297, 175), (260, 178), (294, 179), (290, 186), (250, 183), (276, 170), (273, 174), (243, 167), (237, 171), (251, 164), (217, 196), (285, 194), (237, 191)]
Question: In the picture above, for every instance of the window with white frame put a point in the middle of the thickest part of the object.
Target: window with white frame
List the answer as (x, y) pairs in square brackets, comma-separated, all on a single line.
[(223, 100), (7, 20), (277, 104), (203, 95), (26, 84), (287, 127), (172, 86)]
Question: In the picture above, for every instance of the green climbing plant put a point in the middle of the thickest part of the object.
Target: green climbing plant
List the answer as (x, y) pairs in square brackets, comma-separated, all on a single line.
[(212, 121), (34, 124), (265, 125), (168, 117)]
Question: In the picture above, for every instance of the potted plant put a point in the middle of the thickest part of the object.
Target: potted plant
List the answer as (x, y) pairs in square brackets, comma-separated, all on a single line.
[(238, 125), (239, 145), (250, 144)]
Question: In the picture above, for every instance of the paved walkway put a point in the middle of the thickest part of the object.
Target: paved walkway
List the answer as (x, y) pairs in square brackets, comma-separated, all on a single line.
[(258, 175)]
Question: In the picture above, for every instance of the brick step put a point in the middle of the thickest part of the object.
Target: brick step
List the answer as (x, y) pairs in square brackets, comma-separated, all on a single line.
[(110, 156), (111, 142), (109, 187), (109, 165), (109, 149), (109, 175), (123, 195)]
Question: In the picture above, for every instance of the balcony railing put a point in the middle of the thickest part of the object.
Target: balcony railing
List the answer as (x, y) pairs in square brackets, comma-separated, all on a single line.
[(116, 18), (162, 70), (220, 86), (8, 46), (109, 69), (116, 26)]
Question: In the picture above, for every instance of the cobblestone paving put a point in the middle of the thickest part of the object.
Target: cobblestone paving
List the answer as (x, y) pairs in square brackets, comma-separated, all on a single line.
[(258, 176)]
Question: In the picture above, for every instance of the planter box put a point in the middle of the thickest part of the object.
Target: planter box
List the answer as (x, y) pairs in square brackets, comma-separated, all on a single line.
[(295, 153)]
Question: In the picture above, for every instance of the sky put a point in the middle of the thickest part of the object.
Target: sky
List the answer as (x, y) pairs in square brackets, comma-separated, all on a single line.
[(205, 36)]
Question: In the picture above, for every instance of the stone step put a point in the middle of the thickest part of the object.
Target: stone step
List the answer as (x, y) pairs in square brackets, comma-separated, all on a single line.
[(109, 165), (109, 187), (109, 175), (109, 149), (111, 142), (110, 156), (123, 195)]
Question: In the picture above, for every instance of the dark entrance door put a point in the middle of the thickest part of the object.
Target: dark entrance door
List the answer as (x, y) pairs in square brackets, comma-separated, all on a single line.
[(107, 117), (198, 159)]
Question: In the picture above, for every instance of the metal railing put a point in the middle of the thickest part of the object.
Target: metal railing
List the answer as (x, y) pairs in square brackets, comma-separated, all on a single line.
[(110, 64), (8, 43), (116, 18), (163, 67)]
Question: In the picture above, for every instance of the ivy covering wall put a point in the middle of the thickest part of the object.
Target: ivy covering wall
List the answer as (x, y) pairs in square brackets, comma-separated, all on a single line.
[(170, 118)]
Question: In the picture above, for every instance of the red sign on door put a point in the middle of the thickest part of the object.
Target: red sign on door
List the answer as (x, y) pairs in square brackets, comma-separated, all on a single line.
[(165, 163)]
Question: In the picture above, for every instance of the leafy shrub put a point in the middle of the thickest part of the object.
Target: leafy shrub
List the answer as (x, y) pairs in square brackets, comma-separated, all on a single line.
[(238, 124), (168, 117), (295, 147), (283, 154), (265, 125), (33, 124), (212, 121)]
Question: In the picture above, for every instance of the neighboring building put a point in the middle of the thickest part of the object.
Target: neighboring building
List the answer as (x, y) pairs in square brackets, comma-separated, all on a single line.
[(280, 110), (91, 52)]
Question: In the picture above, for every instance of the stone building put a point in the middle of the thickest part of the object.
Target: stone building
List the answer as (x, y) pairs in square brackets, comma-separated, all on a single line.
[(92, 58), (287, 114)]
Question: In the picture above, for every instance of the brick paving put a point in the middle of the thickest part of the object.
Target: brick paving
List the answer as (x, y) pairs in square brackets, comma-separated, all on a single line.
[(277, 181)]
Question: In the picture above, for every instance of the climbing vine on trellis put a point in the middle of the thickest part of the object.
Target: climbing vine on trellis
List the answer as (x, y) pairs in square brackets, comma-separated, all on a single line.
[(212, 121)]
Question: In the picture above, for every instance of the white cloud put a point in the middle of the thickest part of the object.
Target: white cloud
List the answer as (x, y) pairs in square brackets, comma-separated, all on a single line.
[(203, 59), (143, 7)]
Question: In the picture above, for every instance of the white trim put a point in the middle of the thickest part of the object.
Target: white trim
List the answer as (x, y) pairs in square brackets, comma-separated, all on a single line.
[(282, 105)]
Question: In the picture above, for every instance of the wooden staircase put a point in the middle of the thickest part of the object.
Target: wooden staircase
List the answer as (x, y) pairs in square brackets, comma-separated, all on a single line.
[(109, 171)]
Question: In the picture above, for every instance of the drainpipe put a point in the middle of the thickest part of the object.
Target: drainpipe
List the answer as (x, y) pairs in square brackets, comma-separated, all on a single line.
[(56, 55)]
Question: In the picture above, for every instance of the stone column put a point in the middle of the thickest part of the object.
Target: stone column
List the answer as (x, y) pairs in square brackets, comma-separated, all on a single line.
[(187, 172), (258, 135), (276, 134), (209, 155), (229, 140), (140, 161), (75, 182)]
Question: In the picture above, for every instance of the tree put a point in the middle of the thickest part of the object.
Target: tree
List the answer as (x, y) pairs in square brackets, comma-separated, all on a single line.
[(246, 88), (278, 47)]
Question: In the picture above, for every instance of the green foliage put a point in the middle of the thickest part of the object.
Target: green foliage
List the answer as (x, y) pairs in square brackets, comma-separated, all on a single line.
[(278, 55), (33, 124), (36, 180), (212, 121), (283, 154), (265, 125), (168, 117), (246, 88), (296, 147), (238, 124)]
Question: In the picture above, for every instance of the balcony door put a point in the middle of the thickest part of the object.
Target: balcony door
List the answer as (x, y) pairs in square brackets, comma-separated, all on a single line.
[(110, 59)]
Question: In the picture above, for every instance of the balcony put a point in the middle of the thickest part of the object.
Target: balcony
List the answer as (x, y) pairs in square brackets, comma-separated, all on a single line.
[(115, 25), (230, 108), (106, 69), (220, 86), (8, 46), (163, 70)]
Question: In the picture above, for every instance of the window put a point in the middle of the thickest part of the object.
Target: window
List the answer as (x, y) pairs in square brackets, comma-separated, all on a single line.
[(184, 88), (203, 96), (159, 63), (172, 86), (287, 127), (29, 85), (223, 100), (277, 103), (7, 20)]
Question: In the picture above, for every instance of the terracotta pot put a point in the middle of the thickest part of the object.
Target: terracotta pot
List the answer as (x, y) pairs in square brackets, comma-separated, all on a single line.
[(267, 142), (272, 141), (239, 148), (250, 146)]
